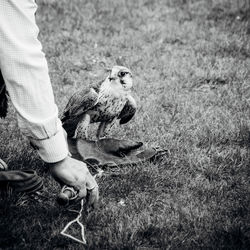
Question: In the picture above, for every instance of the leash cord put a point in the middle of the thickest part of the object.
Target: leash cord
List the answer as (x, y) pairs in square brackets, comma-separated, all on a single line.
[(77, 220)]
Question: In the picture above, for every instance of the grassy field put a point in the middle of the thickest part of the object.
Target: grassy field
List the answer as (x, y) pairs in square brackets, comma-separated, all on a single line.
[(191, 66)]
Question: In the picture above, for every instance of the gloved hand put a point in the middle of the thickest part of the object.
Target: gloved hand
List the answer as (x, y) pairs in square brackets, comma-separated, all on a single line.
[(75, 174)]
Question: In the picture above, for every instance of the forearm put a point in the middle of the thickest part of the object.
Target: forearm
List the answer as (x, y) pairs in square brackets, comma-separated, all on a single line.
[(25, 72)]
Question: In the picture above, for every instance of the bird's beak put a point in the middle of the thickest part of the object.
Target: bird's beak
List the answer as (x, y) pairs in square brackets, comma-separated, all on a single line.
[(122, 82)]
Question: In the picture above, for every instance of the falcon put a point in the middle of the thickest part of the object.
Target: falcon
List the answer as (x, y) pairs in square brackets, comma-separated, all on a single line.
[(105, 102)]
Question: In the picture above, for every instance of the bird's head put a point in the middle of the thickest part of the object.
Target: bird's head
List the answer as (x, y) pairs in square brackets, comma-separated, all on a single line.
[(120, 78)]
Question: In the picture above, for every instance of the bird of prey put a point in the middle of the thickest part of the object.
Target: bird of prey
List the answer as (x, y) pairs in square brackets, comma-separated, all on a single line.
[(104, 102), (3, 98)]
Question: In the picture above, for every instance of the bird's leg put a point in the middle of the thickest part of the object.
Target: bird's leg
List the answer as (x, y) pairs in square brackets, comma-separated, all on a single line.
[(109, 126), (104, 128), (82, 127), (100, 130)]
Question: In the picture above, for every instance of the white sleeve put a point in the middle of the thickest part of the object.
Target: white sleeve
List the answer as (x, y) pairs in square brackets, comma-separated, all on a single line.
[(25, 71)]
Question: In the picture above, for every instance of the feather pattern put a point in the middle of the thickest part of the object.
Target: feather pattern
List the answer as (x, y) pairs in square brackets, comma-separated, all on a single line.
[(128, 111), (78, 104)]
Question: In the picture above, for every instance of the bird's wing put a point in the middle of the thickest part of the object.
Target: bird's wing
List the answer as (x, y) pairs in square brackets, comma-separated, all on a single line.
[(96, 86), (3, 98), (128, 111), (79, 103)]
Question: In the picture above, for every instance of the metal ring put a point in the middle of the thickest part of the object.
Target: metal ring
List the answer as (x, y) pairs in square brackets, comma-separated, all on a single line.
[(72, 190)]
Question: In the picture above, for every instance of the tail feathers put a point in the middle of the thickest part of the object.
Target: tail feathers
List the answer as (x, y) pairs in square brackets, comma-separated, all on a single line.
[(65, 117), (3, 98), (69, 125), (69, 129)]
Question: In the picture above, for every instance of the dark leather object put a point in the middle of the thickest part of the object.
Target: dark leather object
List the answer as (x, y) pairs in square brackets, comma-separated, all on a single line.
[(25, 180), (111, 152)]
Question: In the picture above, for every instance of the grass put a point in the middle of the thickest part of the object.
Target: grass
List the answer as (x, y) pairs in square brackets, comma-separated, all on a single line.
[(190, 61)]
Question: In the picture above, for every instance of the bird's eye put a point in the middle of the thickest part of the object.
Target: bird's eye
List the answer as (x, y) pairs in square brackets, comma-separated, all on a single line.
[(122, 74)]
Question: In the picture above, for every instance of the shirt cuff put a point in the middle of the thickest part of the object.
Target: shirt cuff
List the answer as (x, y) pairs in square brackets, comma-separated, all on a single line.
[(53, 149)]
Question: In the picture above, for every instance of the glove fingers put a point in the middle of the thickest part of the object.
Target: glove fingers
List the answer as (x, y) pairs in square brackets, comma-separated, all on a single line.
[(126, 147)]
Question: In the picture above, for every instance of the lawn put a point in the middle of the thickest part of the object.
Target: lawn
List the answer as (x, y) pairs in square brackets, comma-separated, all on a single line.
[(191, 65)]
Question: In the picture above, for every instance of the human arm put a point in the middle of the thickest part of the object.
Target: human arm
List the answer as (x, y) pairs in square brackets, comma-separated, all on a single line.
[(25, 72)]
